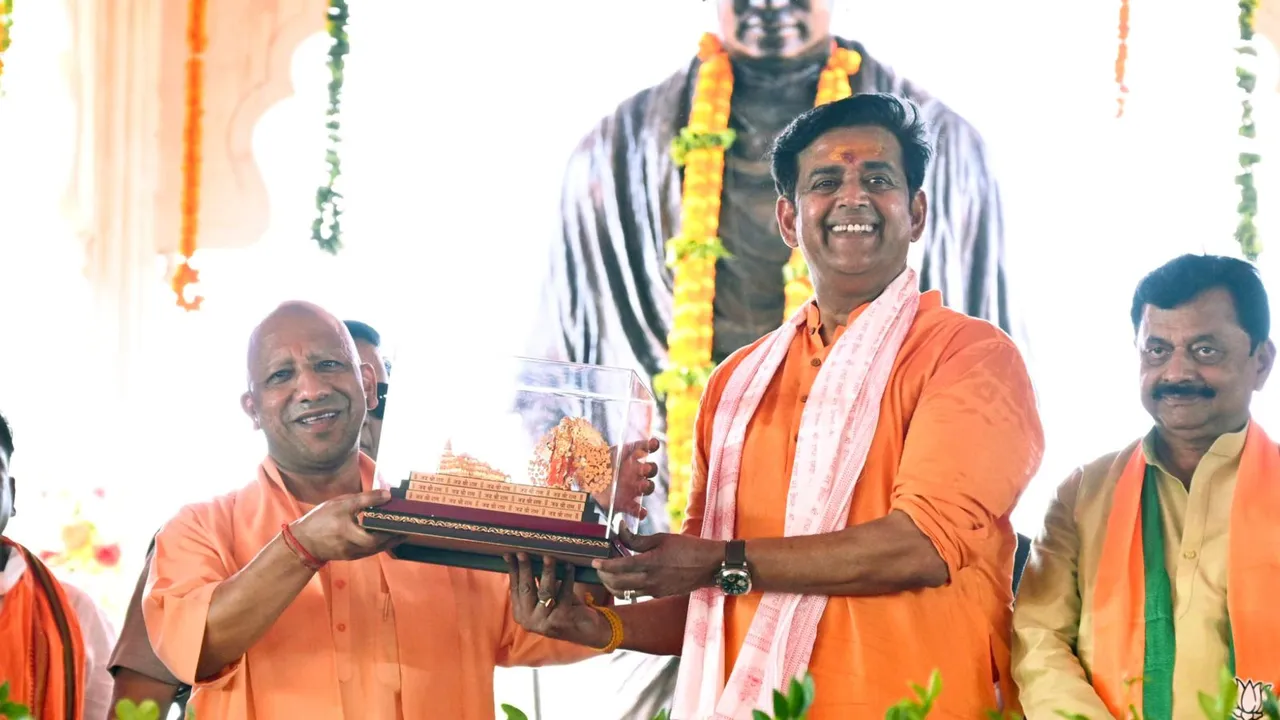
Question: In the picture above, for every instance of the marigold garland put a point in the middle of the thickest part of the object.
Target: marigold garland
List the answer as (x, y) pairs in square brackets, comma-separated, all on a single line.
[(1246, 80), (693, 253), (326, 229), (1122, 55), (6, 22), (192, 137)]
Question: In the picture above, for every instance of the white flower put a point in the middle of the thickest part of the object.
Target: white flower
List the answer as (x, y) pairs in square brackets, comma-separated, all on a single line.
[(1248, 700)]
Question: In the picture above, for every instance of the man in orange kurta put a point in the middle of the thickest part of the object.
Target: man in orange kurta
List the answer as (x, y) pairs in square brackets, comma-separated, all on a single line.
[(42, 649), (917, 577), (274, 603)]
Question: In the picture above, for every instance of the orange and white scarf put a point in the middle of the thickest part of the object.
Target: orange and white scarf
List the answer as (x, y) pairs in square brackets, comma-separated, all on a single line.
[(1253, 578), (836, 428)]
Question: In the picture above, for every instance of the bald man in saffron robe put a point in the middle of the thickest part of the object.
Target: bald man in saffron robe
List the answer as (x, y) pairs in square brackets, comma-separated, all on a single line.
[(273, 602)]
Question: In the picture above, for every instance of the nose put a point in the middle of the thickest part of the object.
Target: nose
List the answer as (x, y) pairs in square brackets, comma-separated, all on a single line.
[(1181, 367), (311, 386), (852, 195)]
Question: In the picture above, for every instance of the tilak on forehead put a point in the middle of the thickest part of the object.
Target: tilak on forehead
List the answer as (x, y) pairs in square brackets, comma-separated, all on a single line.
[(851, 153)]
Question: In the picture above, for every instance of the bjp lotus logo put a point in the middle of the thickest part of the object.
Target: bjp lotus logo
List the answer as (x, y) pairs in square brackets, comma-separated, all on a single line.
[(1249, 695)]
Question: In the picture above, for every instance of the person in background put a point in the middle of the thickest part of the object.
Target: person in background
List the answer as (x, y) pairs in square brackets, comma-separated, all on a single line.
[(369, 344), (54, 639), (1162, 561), (138, 673)]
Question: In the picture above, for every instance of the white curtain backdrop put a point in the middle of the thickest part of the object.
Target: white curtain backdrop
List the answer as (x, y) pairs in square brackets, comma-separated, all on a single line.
[(458, 121)]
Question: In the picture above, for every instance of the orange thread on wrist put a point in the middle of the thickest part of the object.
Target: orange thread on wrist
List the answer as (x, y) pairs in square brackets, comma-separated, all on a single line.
[(309, 561), (615, 626)]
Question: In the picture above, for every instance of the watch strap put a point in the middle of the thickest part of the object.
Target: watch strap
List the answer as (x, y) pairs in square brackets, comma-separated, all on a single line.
[(735, 554)]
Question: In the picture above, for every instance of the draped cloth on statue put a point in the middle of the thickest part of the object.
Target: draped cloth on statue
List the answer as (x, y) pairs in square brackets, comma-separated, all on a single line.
[(608, 295)]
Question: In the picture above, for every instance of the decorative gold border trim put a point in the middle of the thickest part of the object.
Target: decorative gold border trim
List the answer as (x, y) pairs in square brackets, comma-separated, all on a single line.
[(510, 532)]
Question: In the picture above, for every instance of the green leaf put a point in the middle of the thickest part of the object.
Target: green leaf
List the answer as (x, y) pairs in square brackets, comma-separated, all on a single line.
[(663, 714), (759, 715), (781, 709), (513, 713), (1071, 716)]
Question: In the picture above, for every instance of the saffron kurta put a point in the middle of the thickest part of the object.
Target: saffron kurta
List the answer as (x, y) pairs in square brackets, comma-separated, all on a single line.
[(958, 440), (1053, 625), (373, 638)]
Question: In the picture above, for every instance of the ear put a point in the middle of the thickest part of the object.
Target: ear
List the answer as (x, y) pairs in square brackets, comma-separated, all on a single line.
[(370, 382), (250, 408), (919, 211), (1266, 355), (786, 212)]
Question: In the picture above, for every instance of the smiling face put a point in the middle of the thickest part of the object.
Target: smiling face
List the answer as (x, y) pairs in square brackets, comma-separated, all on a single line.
[(853, 216), (1198, 372), (308, 390)]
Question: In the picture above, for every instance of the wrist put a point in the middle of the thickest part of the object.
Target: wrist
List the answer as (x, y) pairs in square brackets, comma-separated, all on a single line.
[(714, 562), (300, 551)]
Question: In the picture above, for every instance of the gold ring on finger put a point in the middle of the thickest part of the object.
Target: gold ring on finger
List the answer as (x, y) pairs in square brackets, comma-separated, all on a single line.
[(547, 602)]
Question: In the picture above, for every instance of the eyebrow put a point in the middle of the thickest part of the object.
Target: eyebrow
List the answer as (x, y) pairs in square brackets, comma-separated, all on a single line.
[(1205, 337), (836, 170)]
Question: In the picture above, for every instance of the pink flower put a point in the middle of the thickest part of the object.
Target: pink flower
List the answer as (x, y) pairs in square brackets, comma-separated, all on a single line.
[(107, 555)]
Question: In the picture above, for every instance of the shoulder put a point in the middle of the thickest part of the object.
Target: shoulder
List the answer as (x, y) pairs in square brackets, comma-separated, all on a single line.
[(207, 520), (662, 103), (1095, 479), (94, 624), (724, 371), (946, 335)]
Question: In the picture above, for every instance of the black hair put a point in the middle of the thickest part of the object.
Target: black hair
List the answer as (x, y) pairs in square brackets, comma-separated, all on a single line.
[(364, 332), (1184, 278), (6, 436), (897, 115)]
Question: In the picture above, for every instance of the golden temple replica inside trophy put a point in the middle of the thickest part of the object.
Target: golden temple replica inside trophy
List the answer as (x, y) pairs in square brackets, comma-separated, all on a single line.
[(576, 480)]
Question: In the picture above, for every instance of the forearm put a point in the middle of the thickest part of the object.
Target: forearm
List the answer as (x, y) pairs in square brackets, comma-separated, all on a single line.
[(880, 557), (136, 687), (1050, 677), (655, 627), (246, 604)]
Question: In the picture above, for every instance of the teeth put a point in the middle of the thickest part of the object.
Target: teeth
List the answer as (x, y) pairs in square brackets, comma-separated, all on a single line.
[(853, 228), (318, 418)]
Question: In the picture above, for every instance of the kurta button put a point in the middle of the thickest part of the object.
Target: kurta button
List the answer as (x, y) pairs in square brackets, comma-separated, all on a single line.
[(1190, 554), (342, 627), (340, 584), (804, 398), (815, 362)]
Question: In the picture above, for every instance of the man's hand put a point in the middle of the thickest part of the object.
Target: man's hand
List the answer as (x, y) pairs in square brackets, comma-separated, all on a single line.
[(330, 531), (635, 479), (665, 565), (550, 607)]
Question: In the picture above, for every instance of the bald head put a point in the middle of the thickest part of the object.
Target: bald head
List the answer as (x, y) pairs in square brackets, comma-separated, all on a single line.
[(289, 314), (308, 390)]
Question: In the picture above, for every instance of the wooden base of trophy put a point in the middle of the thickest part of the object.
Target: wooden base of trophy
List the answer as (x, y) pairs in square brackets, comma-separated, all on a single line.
[(462, 528)]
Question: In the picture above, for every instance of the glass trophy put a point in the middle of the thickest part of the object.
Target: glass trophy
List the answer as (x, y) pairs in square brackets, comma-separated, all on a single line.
[(513, 455)]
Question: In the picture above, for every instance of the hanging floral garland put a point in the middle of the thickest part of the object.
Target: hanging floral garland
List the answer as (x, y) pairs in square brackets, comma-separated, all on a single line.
[(1122, 55), (192, 137), (1246, 80), (6, 22), (692, 254), (326, 230)]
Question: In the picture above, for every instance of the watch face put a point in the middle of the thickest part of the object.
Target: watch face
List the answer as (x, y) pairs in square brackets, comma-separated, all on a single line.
[(734, 581)]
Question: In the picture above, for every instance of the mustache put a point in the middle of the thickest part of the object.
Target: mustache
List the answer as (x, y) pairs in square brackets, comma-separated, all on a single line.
[(1165, 390)]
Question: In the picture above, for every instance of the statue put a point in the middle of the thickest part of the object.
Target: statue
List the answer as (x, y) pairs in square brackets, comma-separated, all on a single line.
[(609, 295)]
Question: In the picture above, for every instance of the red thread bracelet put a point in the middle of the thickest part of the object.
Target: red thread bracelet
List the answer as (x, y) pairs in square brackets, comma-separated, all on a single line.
[(307, 559)]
